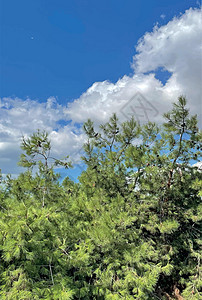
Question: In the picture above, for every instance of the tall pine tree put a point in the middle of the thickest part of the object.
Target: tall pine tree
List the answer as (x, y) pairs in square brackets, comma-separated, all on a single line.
[(131, 227)]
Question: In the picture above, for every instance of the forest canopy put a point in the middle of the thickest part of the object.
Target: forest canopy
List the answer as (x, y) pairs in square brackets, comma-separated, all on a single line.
[(129, 229)]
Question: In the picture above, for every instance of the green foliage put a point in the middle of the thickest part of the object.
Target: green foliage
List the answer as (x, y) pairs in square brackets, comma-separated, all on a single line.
[(131, 227), (37, 152)]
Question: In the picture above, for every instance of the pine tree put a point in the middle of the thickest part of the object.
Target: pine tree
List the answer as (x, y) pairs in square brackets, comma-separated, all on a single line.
[(34, 209), (131, 227), (148, 228)]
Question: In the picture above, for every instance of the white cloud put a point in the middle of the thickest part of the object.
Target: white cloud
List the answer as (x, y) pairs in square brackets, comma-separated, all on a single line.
[(23, 117), (175, 47)]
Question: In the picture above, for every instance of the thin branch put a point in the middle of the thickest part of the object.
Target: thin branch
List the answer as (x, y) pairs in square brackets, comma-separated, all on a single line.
[(51, 273)]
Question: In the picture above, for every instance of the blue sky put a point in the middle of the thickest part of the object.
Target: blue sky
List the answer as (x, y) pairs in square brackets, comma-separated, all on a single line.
[(62, 62), (60, 48)]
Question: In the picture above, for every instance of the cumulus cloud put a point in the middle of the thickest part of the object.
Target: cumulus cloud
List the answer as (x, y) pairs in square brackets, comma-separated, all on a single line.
[(174, 48), (18, 118)]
